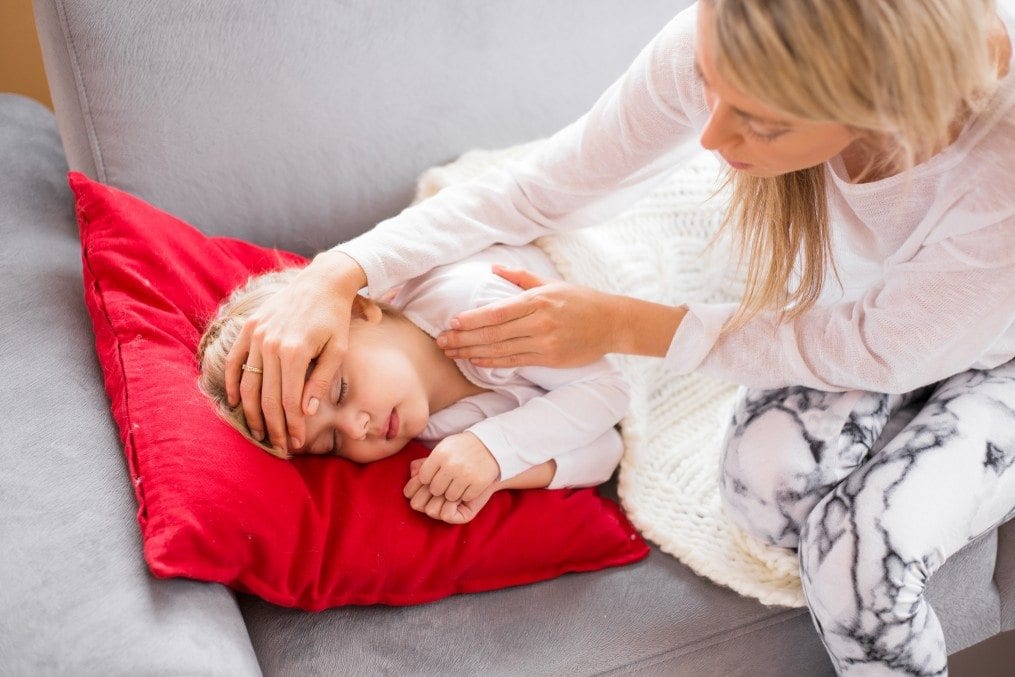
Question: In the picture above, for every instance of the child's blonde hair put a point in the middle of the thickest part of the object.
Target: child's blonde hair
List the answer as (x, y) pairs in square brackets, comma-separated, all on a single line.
[(903, 71)]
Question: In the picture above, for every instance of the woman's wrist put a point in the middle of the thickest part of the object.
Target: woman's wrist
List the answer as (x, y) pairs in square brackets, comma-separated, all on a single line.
[(642, 327), (339, 271)]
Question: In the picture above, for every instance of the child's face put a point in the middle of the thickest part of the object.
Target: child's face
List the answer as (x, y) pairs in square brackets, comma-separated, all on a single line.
[(383, 403)]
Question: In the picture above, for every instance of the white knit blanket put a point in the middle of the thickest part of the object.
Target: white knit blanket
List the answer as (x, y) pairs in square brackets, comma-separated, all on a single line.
[(673, 433)]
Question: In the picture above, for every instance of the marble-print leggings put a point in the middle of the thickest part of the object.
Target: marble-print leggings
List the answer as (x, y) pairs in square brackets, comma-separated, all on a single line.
[(873, 518)]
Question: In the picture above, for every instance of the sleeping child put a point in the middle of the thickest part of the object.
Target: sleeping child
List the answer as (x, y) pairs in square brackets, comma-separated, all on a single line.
[(488, 428)]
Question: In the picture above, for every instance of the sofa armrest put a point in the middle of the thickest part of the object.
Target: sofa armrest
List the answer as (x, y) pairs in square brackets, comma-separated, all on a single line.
[(76, 595)]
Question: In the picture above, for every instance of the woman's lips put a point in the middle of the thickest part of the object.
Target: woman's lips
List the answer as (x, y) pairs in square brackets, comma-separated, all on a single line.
[(734, 164), (392, 426)]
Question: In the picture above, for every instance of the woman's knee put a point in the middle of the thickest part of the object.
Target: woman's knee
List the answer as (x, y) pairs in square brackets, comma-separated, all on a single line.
[(787, 448)]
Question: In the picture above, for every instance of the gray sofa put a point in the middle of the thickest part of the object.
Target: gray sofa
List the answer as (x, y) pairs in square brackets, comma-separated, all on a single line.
[(299, 124)]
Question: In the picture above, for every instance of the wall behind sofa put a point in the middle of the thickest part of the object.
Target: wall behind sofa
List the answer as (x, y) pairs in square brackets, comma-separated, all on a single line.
[(21, 68)]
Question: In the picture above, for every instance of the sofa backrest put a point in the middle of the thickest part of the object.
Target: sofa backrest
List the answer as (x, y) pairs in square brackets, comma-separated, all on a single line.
[(301, 124)]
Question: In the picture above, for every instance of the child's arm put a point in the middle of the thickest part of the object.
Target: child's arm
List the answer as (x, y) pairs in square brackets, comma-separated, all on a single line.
[(580, 406), (583, 467)]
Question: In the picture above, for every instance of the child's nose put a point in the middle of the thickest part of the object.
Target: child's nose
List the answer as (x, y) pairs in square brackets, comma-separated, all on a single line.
[(353, 424)]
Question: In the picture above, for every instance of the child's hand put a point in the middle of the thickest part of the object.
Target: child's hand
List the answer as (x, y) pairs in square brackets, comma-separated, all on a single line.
[(460, 468), (437, 507)]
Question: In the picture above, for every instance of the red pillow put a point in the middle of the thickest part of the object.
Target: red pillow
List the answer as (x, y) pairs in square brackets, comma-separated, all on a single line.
[(313, 532)]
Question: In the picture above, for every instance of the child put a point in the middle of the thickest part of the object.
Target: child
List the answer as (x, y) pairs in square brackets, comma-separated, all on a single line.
[(490, 429)]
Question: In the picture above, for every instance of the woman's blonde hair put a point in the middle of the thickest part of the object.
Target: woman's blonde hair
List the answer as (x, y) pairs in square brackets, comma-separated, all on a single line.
[(220, 335), (902, 72)]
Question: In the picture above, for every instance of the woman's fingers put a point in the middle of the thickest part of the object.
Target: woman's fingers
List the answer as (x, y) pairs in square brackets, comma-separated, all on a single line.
[(293, 364), (322, 378), (521, 277), (271, 401), (505, 348), (492, 314), (250, 394), (236, 356)]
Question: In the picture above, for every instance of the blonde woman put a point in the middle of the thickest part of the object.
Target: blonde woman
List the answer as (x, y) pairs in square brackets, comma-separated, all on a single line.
[(871, 152)]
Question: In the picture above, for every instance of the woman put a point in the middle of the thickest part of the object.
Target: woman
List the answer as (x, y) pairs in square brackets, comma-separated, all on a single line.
[(870, 151)]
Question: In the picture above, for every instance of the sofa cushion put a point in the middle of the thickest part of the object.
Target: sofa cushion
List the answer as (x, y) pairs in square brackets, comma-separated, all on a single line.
[(312, 532)]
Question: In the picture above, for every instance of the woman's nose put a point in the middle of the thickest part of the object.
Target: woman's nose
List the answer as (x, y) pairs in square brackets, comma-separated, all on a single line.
[(720, 128)]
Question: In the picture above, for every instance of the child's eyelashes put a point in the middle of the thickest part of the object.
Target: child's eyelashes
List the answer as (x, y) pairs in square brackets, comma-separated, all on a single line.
[(343, 390)]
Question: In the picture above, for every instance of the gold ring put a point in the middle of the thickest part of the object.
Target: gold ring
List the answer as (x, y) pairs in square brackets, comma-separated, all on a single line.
[(250, 367)]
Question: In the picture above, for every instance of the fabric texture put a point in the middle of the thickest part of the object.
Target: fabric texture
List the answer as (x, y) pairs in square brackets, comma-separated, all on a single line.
[(925, 258), (312, 532), (673, 433)]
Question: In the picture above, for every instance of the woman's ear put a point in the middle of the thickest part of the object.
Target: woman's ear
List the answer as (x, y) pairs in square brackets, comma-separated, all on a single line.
[(365, 309)]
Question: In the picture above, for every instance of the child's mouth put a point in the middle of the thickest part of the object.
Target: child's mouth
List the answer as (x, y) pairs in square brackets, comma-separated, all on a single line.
[(392, 425)]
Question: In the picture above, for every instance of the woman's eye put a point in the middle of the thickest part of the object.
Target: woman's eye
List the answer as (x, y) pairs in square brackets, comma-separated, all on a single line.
[(765, 134)]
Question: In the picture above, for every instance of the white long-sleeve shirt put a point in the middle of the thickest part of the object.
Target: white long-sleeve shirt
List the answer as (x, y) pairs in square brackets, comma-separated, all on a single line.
[(528, 415), (926, 258)]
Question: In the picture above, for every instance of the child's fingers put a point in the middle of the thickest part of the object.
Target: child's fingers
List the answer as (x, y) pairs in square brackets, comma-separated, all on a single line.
[(450, 512), (420, 499), (411, 487), (414, 467), (471, 492), (428, 470), (441, 481), (455, 490), (434, 505)]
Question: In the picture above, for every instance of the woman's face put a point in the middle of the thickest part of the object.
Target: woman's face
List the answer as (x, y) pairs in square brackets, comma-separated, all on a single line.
[(750, 136), (381, 403)]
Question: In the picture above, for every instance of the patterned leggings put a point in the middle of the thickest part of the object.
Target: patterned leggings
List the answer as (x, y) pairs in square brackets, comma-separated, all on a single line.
[(874, 516)]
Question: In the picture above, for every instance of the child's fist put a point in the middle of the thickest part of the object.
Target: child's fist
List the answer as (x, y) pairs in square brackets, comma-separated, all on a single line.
[(460, 468)]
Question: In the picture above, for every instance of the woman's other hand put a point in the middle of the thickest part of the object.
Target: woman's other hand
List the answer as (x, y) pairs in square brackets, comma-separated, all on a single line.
[(553, 323), (307, 320)]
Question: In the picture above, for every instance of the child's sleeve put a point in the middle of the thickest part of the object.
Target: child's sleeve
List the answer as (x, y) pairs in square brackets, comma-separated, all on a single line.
[(588, 466), (639, 129), (580, 407)]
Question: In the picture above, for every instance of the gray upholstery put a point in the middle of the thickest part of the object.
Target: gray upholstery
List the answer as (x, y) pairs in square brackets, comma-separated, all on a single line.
[(75, 593), (311, 119), (300, 124)]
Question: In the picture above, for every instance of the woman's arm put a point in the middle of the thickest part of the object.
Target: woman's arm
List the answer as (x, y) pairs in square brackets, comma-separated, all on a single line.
[(559, 324)]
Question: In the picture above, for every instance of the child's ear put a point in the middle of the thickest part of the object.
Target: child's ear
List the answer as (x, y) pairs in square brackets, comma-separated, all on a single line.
[(365, 309)]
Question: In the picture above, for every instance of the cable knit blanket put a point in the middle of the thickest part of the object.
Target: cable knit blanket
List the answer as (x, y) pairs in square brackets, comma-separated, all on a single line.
[(673, 433)]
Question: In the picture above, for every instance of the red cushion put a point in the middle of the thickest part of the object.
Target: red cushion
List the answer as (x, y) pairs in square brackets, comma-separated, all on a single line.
[(313, 532)]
